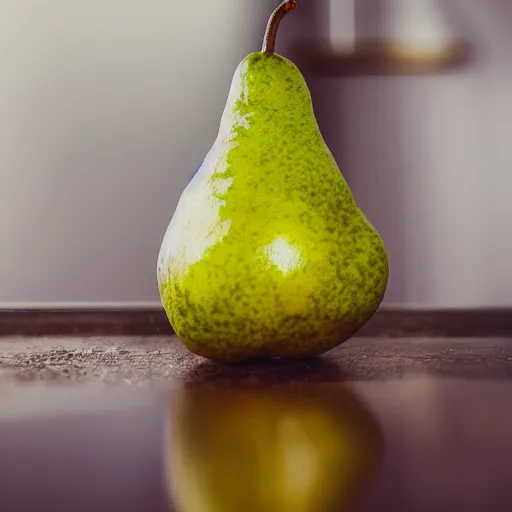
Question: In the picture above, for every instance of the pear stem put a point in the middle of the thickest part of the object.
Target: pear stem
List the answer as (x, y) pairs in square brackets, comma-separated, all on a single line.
[(269, 41)]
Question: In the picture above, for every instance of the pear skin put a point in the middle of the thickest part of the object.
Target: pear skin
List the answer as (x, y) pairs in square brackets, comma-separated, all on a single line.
[(267, 254)]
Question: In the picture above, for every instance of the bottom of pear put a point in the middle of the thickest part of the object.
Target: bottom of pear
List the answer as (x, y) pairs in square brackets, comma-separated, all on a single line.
[(240, 355)]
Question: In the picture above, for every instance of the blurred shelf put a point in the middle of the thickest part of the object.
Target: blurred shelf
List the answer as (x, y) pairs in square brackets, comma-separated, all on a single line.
[(381, 58)]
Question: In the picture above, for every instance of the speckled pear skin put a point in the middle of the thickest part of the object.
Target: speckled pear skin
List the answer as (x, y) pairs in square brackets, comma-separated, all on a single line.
[(267, 254)]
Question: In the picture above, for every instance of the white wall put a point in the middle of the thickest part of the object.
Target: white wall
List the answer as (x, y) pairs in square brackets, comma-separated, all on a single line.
[(108, 107), (430, 161)]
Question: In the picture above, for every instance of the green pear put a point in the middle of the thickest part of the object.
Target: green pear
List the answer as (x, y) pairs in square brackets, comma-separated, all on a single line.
[(267, 254), (309, 448)]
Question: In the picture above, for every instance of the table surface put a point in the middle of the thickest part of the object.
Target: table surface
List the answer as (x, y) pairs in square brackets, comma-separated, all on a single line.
[(443, 407)]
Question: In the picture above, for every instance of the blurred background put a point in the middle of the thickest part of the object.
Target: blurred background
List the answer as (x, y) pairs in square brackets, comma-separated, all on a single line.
[(108, 108)]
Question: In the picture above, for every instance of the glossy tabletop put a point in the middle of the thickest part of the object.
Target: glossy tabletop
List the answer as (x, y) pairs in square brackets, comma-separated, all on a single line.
[(418, 425)]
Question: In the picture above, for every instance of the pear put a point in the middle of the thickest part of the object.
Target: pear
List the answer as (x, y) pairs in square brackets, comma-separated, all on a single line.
[(267, 254), (306, 448)]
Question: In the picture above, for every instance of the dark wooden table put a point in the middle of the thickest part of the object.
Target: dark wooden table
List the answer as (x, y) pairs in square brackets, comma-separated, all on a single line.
[(444, 409)]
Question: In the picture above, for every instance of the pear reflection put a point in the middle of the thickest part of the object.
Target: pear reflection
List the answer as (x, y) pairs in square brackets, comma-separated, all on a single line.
[(286, 449)]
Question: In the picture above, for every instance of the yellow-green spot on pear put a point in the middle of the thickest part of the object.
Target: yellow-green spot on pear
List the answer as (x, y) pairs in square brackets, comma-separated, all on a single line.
[(267, 254)]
